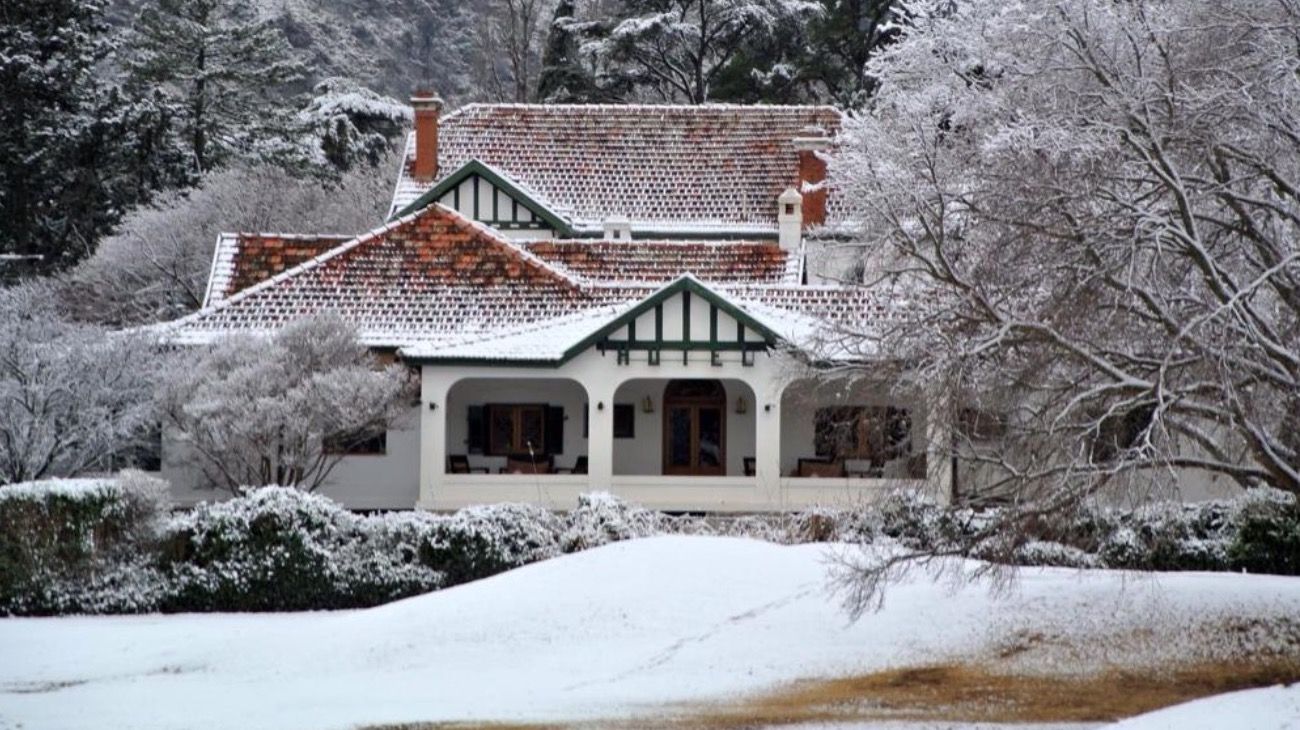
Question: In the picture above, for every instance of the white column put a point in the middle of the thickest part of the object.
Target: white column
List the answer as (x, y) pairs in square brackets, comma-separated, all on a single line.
[(600, 434), (434, 388), (767, 439)]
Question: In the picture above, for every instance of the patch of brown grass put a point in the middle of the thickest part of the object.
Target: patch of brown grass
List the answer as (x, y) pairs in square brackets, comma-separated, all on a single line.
[(968, 693)]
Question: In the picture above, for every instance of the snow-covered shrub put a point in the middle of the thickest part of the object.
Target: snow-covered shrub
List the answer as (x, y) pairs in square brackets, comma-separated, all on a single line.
[(380, 561), (477, 542), (59, 534), (602, 518), (1267, 536), (918, 522), (1039, 552), (279, 549)]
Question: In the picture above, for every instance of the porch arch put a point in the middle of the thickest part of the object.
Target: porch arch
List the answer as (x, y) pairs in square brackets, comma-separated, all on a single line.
[(490, 419), (642, 450)]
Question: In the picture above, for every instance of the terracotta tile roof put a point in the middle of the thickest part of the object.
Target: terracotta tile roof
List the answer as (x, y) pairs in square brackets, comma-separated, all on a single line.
[(443, 283), (430, 275), (651, 262), (244, 259), (710, 168)]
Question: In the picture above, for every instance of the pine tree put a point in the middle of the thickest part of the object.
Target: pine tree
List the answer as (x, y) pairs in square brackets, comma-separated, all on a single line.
[(222, 71), (563, 78), (49, 99)]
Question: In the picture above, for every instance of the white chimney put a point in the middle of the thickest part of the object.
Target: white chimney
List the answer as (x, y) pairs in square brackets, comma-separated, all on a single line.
[(617, 228), (789, 219)]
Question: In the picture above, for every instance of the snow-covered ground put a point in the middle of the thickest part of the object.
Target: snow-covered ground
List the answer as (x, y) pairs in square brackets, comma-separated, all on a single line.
[(1271, 708), (623, 630)]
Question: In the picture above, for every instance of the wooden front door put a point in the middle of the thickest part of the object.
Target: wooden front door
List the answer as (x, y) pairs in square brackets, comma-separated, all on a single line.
[(695, 428)]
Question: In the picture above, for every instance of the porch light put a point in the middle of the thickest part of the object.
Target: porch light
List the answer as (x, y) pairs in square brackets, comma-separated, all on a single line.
[(741, 405), (600, 405), (647, 405), (433, 406)]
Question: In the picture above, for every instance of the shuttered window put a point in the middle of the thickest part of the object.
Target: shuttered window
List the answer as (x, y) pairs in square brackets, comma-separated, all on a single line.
[(501, 429)]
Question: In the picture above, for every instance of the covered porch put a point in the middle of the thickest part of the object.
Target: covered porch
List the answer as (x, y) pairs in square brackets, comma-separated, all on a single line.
[(754, 441), (682, 402)]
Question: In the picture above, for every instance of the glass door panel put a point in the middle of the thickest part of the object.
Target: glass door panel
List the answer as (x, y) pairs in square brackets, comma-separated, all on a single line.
[(679, 438), (708, 447)]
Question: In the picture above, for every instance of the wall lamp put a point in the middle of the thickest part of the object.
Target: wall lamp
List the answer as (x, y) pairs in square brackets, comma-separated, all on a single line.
[(433, 406), (647, 405), (600, 405)]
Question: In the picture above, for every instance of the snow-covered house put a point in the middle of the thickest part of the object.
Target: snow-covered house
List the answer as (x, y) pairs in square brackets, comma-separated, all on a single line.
[(597, 297)]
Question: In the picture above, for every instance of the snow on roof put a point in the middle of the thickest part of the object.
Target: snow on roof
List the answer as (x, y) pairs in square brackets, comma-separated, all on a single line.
[(243, 259), (546, 341), (710, 169), (437, 282), (641, 262), (429, 275)]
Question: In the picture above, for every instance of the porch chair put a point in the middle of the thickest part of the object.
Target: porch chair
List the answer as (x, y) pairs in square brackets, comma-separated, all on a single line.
[(579, 467), (527, 464), (750, 468), (459, 464)]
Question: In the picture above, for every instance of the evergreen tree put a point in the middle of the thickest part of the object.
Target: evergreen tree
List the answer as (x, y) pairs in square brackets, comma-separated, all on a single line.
[(822, 60), (222, 71), (49, 101), (678, 50), (563, 78)]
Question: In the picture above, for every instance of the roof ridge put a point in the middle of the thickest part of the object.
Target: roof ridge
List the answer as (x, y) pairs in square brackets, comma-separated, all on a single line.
[(723, 106)]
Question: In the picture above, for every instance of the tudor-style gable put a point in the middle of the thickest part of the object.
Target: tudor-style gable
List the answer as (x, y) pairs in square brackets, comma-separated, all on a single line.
[(685, 316), (482, 193)]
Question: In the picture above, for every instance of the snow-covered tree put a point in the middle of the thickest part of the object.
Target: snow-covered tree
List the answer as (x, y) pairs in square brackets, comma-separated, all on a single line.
[(284, 409), (1096, 209), (71, 395), (352, 124), (75, 152), (155, 267), (676, 49), (223, 69)]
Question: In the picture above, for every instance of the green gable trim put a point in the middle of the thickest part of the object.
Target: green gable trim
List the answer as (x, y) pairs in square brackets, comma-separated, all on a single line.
[(600, 338), (477, 169), (686, 286)]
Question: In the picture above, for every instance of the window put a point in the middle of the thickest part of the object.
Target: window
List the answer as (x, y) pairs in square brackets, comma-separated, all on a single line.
[(502, 429), (357, 444), (875, 433), (624, 420), (516, 429)]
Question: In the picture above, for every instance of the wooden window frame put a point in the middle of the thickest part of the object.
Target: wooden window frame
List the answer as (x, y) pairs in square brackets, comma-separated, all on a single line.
[(517, 445)]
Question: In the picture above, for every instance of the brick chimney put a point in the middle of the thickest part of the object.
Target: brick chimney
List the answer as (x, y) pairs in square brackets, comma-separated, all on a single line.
[(812, 171), (427, 106)]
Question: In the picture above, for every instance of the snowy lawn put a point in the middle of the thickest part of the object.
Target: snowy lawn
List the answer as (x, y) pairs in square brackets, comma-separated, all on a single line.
[(662, 627)]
